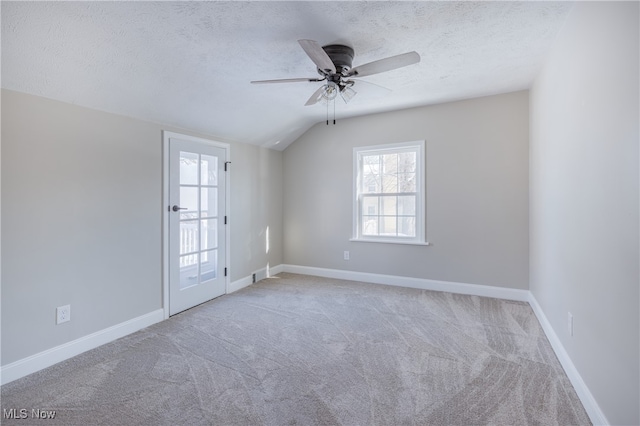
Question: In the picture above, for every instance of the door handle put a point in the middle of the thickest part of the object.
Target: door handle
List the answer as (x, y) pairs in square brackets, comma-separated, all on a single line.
[(175, 208)]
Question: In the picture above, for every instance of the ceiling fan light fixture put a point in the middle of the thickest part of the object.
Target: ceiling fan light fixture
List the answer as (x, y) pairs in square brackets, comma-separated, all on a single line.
[(330, 91), (347, 93)]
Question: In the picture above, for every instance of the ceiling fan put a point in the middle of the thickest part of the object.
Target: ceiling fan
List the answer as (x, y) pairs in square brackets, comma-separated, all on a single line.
[(334, 66)]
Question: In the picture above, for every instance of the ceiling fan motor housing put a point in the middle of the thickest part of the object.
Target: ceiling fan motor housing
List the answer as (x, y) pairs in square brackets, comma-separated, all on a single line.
[(341, 56)]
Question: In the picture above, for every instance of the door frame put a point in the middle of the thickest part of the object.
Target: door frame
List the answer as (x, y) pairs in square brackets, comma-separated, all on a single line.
[(166, 136)]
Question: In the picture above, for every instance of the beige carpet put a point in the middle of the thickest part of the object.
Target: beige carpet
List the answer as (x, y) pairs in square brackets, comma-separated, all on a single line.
[(299, 350)]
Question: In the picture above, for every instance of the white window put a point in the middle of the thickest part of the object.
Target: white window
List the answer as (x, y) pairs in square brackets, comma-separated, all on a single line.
[(389, 193)]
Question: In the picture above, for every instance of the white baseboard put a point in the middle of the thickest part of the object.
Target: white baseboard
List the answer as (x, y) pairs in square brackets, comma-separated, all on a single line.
[(419, 283), (239, 284), (261, 274), (33, 363), (276, 270), (588, 401)]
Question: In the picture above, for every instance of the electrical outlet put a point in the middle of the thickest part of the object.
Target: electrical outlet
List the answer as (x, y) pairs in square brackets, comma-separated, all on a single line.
[(346, 255), (570, 323), (253, 277), (63, 314)]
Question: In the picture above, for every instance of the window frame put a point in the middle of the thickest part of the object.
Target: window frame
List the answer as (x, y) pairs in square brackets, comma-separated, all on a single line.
[(358, 154)]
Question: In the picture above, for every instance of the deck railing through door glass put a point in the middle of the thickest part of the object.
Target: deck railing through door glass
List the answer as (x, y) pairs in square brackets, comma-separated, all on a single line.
[(190, 242)]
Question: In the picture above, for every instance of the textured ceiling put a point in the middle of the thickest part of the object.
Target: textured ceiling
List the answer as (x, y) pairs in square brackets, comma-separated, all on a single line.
[(188, 64)]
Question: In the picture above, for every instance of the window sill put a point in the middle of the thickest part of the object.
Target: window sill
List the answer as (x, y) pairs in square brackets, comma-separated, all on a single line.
[(385, 241)]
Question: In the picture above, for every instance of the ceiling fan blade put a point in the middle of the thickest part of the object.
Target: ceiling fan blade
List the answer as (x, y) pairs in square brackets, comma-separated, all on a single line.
[(318, 55), (287, 80), (368, 91), (369, 86), (317, 95), (386, 64)]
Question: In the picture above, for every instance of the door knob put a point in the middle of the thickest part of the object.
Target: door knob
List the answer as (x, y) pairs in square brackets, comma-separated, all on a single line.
[(175, 208)]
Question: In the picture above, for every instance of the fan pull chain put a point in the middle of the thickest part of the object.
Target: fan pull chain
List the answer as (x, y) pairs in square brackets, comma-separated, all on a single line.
[(334, 112)]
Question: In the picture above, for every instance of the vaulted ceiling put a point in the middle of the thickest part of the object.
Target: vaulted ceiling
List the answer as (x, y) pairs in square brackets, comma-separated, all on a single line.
[(189, 64)]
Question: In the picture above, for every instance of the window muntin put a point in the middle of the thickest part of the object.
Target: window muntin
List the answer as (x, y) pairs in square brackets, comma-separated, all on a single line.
[(389, 193)]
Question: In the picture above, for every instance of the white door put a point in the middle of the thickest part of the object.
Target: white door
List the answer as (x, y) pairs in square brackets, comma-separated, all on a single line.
[(197, 237)]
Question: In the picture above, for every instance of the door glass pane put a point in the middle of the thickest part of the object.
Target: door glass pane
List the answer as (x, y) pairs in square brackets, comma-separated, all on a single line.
[(209, 265), (188, 168), (189, 202), (209, 238), (209, 203), (189, 236), (189, 270), (209, 170)]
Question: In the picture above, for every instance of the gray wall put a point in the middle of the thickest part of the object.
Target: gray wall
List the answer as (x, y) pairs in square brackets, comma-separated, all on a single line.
[(476, 193), (584, 200), (81, 219)]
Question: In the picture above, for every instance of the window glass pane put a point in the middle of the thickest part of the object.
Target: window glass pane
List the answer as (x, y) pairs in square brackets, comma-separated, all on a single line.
[(369, 225), (407, 182), (388, 225), (388, 206), (407, 226), (189, 202), (189, 236), (371, 178), (189, 270), (390, 170), (209, 202), (370, 183), (390, 183), (371, 162), (407, 205), (209, 170), (209, 236), (390, 164), (209, 265), (370, 205), (407, 162), (188, 168)]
